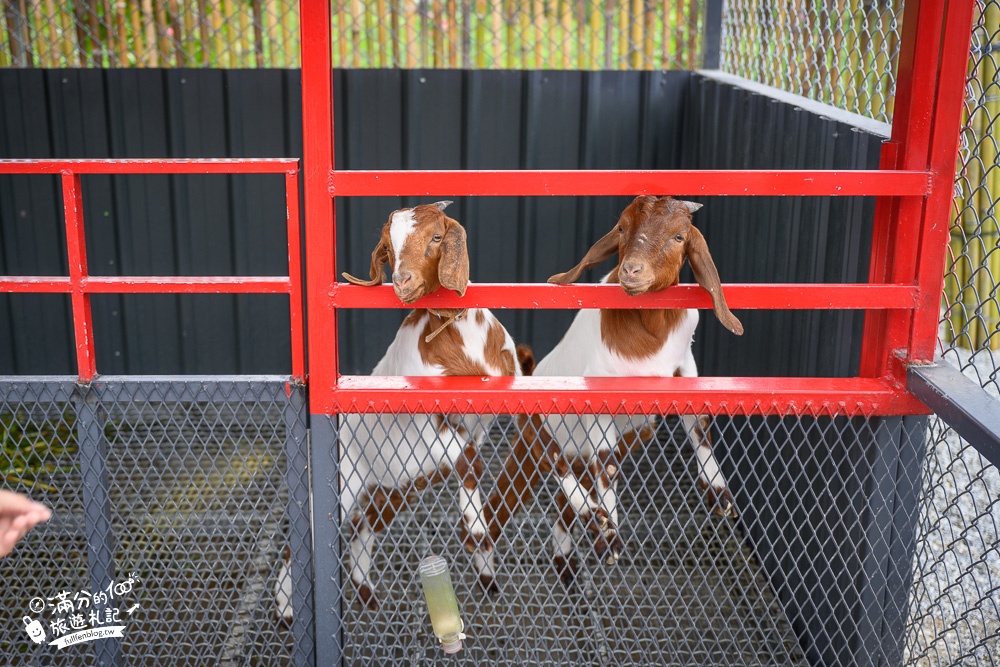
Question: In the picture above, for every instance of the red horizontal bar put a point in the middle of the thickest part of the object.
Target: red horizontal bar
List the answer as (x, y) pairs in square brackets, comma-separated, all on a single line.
[(628, 182), (164, 166), (151, 284), (636, 395), (188, 285), (790, 296), (36, 284)]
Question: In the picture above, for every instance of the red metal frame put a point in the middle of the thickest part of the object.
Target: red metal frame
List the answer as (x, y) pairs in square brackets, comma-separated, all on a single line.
[(80, 285), (629, 182), (913, 185)]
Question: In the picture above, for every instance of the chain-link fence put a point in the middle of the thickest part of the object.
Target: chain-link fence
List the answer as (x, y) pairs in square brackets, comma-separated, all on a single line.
[(170, 512), (840, 53), (815, 564), (955, 604), (485, 34)]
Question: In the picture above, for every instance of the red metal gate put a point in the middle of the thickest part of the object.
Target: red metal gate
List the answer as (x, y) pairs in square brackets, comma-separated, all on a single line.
[(914, 190)]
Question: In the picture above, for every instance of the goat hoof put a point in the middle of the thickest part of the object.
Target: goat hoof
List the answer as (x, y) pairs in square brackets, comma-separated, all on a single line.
[(609, 547), (725, 505), (719, 500), (566, 568), (617, 547)]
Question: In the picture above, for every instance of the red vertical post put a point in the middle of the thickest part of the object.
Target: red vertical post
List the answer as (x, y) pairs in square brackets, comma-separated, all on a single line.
[(295, 275), (76, 251), (321, 240), (902, 224), (944, 142)]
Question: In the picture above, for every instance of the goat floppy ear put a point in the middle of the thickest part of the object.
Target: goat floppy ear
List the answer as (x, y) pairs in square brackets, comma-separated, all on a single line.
[(598, 252), (453, 268), (380, 255), (708, 277)]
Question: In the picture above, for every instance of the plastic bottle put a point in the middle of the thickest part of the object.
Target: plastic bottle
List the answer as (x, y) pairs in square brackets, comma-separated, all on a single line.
[(441, 603)]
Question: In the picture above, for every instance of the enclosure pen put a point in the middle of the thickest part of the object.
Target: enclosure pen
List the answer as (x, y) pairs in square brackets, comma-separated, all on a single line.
[(225, 497)]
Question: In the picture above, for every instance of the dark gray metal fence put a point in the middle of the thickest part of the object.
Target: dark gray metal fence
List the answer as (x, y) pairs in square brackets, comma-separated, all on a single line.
[(170, 225), (190, 488)]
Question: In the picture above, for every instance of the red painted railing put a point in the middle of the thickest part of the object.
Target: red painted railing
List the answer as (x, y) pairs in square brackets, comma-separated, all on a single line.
[(901, 299), (80, 284), (914, 193)]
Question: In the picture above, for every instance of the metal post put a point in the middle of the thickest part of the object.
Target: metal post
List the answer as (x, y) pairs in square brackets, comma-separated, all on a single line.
[(300, 526), (328, 587), (321, 237), (76, 251), (101, 542), (911, 234), (321, 279), (712, 52)]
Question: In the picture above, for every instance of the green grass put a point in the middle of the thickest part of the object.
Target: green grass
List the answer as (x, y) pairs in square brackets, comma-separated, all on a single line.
[(33, 451)]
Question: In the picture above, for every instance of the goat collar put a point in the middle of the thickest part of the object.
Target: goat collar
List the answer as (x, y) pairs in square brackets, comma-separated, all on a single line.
[(457, 315)]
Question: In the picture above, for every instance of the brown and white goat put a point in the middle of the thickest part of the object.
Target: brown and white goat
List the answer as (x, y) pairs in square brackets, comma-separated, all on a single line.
[(386, 458), (652, 238)]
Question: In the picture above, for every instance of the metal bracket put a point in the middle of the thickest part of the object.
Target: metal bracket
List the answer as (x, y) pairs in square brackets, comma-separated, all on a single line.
[(961, 403)]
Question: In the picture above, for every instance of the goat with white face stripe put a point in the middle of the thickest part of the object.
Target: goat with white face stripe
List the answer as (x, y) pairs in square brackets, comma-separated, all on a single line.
[(652, 238), (385, 458)]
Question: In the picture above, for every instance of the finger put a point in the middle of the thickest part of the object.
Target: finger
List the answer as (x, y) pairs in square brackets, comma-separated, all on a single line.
[(16, 503)]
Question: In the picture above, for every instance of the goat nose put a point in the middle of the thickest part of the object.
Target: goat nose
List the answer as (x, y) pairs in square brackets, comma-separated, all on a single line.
[(632, 269), (402, 278)]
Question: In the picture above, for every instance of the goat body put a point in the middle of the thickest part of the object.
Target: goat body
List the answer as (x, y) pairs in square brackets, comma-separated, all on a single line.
[(653, 238), (387, 458)]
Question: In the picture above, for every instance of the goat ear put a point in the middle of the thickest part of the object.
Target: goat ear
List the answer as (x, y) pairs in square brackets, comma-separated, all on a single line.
[(380, 255), (453, 268), (442, 205), (598, 252), (708, 277)]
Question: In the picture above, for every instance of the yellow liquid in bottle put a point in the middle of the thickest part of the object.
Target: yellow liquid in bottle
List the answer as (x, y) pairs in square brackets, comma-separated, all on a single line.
[(441, 602)]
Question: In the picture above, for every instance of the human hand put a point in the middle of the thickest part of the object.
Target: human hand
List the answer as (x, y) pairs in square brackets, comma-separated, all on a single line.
[(18, 515)]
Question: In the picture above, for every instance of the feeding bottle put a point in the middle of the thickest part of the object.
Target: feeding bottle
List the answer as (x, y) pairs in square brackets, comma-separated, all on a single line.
[(441, 603)]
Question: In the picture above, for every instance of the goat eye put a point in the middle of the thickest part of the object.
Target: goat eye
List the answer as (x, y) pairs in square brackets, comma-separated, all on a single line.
[(436, 238), (621, 230), (679, 238)]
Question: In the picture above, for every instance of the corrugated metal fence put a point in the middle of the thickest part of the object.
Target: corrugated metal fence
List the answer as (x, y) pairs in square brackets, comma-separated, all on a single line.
[(177, 225)]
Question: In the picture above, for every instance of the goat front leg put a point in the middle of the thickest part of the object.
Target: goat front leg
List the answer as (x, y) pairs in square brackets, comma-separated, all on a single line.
[(584, 499), (563, 557), (710, 478), (533, 453), (359, 560), (469, 468)]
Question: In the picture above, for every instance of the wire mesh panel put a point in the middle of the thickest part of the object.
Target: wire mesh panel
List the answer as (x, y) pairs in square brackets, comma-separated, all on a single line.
[(955, 602), (487, 34), (40, 458), (170, 523), (841, 53), (806, 574)]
